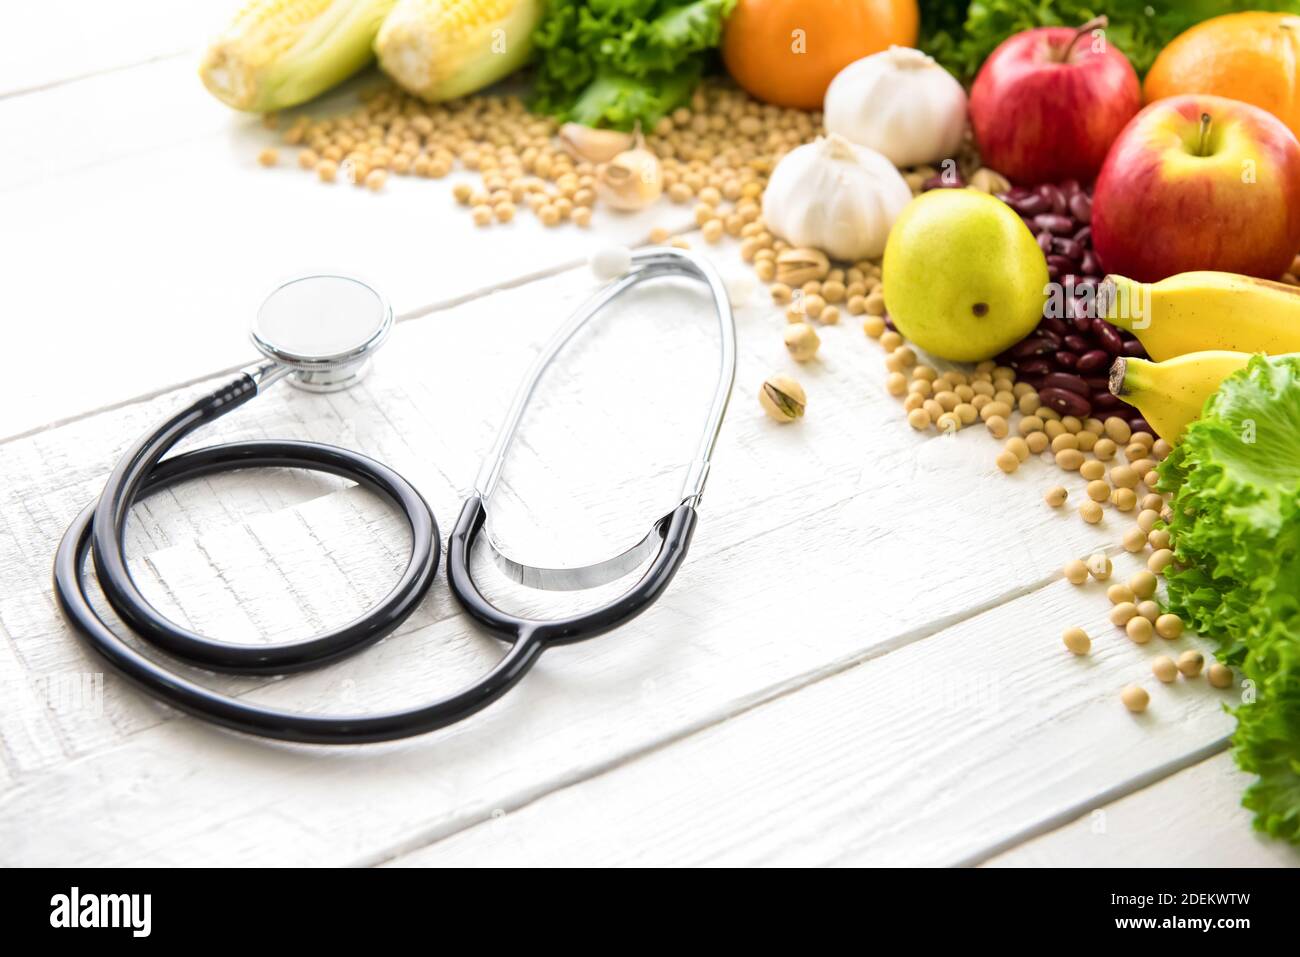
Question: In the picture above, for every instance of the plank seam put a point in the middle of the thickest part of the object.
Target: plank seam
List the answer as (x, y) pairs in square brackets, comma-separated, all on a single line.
[(1108, 796), (742, 705), (92, 74)]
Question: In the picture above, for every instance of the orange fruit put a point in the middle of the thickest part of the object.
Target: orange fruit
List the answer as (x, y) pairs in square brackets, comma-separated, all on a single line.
[(1251, 57), (787, 51)]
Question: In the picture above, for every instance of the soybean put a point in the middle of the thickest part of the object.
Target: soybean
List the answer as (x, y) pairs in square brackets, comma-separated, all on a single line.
[(1143, 584), (1119, 593), (1135, 698), (1163, 667), (1077, 640), (1190, 663), (1076, 571), (1169, 626), (1139, 629)]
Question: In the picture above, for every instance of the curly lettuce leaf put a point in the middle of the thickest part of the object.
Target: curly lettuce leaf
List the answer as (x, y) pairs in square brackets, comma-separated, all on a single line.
[(1236, 532), (619, 62), (961, 37)]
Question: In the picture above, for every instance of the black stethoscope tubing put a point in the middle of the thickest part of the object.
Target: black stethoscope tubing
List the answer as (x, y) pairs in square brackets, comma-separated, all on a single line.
[(99, 531), (142, 472)]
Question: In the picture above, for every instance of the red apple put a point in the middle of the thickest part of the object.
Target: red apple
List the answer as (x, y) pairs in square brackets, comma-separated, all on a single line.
[(1199, 182), (1048, 103)]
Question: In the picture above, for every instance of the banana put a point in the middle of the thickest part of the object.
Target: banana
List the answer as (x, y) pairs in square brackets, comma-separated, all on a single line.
[(1171, 394), (1195, 311)]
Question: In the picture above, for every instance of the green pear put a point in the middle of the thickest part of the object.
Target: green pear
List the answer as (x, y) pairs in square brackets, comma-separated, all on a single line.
[(964, 277)]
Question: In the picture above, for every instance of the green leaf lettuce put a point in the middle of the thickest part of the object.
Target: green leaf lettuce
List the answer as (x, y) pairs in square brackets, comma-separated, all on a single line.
[(619, 62), (1236, 577), (960, 36)]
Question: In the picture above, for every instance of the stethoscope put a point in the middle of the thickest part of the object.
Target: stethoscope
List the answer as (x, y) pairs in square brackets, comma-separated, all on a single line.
[(320, 332)]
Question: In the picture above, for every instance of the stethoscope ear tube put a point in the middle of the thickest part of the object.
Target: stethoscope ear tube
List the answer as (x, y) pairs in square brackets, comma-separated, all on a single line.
[(674, 529)]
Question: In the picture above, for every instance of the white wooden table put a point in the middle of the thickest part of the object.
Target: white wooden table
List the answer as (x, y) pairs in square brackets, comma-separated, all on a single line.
[(859, 663)]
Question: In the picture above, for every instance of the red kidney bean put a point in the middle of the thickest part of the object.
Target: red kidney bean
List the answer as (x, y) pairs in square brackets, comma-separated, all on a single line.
[(1053, 325), (1093, 359), (1030, 205), (1055, 197), (1107, 336), (943, 181), (1065, 402), (1064, 380), (1103, 401), (1055, 224), (1139, 424), (1036, 345), (1068, 248), (1073, 347)]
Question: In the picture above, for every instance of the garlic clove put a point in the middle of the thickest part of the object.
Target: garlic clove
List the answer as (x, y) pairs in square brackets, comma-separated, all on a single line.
[(594, 145), (632, 180)]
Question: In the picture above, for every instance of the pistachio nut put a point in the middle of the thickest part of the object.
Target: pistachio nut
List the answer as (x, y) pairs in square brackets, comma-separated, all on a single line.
[(802, 341), (794, 267), (989, 181), (782, 398)]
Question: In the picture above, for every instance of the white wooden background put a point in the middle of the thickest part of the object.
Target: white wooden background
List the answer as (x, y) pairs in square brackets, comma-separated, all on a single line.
[(859, 663)]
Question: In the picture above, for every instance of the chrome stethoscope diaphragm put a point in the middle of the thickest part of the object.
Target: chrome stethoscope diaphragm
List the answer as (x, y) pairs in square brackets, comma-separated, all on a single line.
[(322, 329)]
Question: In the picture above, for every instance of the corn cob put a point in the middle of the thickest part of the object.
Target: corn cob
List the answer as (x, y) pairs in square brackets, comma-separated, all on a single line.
[(279, 53), (442, 49)]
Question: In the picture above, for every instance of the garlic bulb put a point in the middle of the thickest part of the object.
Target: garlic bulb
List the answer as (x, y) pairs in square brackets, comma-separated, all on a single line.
[(836, 197), (900, 103)]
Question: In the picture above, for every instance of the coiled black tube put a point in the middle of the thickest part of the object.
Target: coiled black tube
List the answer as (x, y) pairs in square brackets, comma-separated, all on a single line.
[(143, 471)]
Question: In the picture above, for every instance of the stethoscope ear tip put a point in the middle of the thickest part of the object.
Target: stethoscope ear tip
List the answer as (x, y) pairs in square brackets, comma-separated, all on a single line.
[(610, 262), (324, 328)]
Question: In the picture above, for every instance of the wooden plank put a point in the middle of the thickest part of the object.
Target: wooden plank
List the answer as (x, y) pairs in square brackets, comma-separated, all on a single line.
[(1190, 819), (162, 236), (821, 546), (920, 757), (60, 41)]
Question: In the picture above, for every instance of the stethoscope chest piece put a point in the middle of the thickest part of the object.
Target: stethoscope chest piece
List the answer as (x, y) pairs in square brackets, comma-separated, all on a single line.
[(324, 328)]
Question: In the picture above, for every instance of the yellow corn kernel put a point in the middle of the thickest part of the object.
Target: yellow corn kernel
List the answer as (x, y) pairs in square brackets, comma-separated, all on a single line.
[(279, 53), (442, 49)]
